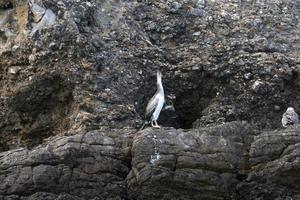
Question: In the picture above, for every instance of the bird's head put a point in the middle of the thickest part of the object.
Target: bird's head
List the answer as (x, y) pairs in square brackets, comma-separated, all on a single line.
[(290, 110), (158, 74)]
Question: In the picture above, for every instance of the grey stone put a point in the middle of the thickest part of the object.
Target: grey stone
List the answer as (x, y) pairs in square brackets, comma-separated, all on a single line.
[(38, 12), (273, 166), (87, 171), (70, 116), (45, 176), (47, 21), (193, 161)]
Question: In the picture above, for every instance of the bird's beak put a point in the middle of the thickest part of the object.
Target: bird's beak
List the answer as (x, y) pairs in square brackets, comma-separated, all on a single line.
[(159, 74)]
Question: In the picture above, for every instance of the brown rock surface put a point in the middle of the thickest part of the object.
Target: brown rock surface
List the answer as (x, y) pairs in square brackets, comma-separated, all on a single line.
[(274, 161), (82, 166), (195, 164), (75, 77)]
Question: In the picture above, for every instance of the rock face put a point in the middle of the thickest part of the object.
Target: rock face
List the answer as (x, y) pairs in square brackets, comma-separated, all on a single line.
[(196, 164), (228, 161), (82, 166), (274, 162), (75, 77)]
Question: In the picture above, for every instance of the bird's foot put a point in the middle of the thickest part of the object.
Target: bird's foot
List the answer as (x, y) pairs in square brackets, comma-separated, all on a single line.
[(156, 126)]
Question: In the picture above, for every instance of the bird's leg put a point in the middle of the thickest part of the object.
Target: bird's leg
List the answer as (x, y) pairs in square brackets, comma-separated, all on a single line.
[(152, 123), (156, 124)]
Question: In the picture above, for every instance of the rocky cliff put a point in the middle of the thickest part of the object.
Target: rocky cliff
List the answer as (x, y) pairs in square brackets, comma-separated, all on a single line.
[(75, 77)]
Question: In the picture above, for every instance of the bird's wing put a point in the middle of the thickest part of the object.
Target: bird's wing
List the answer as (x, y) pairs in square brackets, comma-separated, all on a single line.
[(292, 119), (289, 118), (151, 106), (296, 118), (284, 120)]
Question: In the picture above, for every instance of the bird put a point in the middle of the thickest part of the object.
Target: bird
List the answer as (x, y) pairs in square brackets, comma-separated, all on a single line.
[(290, 117), (155, 104)]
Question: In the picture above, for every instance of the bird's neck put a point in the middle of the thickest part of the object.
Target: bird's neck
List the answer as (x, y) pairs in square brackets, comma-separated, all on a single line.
[(160, 88)]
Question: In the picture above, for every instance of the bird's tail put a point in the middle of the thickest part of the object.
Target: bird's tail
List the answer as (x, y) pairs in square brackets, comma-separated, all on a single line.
[(144, 124)]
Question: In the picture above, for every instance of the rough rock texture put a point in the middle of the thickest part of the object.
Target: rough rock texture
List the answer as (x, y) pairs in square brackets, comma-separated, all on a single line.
[(274, 161), (228, 161), (196, 164), (90, 165), (83, 70)]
